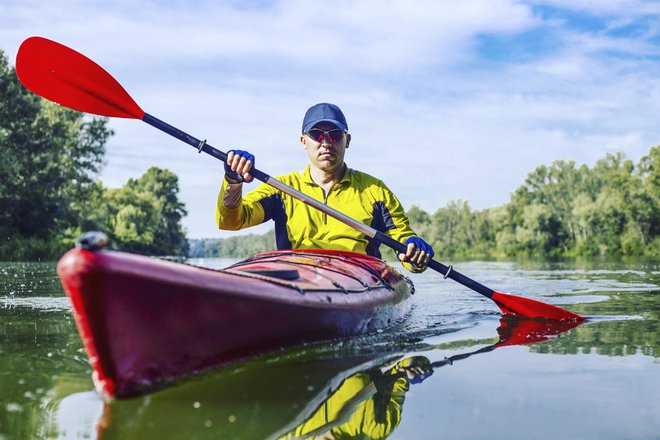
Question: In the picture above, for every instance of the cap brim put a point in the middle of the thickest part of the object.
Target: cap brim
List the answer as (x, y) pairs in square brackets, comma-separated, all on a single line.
[(334, 121)]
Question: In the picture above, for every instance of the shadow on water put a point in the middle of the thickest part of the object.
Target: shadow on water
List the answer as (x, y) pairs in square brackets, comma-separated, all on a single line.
[(299, 394)]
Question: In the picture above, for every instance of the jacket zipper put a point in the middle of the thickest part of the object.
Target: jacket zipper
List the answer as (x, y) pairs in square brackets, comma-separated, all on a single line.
[(325, 200)]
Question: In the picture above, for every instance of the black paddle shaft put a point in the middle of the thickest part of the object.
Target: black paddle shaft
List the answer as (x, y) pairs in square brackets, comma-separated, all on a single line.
[(447, 271)]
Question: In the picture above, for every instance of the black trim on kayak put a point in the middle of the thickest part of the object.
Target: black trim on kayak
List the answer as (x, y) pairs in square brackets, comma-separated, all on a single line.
[(283, 274)]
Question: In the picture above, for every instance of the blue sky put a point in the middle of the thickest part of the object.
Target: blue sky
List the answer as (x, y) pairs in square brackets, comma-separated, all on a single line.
[(445, 100)]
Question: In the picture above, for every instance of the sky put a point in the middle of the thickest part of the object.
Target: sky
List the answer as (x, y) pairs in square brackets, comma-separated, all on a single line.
[(445, 100)]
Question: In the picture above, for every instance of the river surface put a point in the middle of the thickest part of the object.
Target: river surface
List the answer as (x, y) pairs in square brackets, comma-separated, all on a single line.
[(491, 378)]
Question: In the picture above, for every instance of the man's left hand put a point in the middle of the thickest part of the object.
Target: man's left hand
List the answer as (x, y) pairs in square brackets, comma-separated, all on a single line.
[(418, 252)]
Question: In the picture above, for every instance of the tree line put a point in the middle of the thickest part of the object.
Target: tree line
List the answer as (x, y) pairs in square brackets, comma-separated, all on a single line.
[(239, 246), (612, 208), (49, 188)]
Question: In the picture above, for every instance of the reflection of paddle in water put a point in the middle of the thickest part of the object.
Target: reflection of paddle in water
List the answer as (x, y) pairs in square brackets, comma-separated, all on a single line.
[(518, 331), (370, 403)]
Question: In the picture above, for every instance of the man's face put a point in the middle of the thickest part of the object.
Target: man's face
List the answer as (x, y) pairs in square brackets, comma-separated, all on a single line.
[(325, 154)]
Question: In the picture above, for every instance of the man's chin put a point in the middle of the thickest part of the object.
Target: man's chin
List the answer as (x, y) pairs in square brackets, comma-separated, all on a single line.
[(328, 165)]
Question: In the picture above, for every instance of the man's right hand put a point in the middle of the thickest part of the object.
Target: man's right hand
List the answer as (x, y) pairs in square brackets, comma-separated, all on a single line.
[(238, 166)]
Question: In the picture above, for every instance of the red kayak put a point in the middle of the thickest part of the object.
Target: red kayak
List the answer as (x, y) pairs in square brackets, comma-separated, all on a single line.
[(145, 321)]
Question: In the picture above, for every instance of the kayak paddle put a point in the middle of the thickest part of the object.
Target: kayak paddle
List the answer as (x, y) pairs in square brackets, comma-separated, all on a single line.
[(62, 75)]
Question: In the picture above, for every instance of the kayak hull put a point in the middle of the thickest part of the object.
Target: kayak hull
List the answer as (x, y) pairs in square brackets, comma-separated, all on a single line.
[(145, 322)]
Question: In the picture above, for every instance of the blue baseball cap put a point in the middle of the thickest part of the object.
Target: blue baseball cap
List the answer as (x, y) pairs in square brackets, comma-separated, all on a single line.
[(324, 112)]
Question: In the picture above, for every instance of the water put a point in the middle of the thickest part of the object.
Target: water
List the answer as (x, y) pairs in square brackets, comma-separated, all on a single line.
[(600, 380)]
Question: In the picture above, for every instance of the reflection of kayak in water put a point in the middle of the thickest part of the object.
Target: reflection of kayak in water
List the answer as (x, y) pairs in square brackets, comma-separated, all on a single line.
[(255, 399), (145, 322), (288, 397)]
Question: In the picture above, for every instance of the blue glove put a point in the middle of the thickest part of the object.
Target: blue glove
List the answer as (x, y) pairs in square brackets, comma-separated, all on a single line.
[(419, 378), (416, 369), (232, 174), (420, 244)]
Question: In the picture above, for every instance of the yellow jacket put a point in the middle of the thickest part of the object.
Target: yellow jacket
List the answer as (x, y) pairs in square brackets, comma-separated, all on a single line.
[(298, 226), (356, 410)]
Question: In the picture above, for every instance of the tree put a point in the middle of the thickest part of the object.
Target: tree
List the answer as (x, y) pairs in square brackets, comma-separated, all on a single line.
[(50, 157), (649, 172), (610, 209), (49, 189), (145, 214)]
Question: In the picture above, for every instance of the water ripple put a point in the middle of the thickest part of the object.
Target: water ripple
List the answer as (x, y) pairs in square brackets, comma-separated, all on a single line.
[(44, 303)]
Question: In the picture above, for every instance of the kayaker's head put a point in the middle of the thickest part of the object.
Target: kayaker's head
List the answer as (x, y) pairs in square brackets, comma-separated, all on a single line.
[(324, 112), (325, 136)]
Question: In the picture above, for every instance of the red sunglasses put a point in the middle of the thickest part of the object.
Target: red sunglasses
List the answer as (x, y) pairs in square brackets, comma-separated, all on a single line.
[(333, 135)]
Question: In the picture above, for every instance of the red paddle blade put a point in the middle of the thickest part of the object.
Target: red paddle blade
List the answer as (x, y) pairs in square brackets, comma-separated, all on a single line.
[(521, 331), (64, 76), (529, 308)]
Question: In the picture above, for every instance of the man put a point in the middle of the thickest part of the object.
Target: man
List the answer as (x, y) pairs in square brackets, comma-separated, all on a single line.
[(327, 178)]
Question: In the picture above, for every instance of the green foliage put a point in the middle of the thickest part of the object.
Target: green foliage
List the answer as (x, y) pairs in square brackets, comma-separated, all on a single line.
[(49, 159), (455, 229), (240, 246), (560, 210), (49, 189), (145, 215)]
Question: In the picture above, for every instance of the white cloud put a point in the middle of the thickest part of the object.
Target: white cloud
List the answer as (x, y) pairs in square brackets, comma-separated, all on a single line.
[(429, 113)]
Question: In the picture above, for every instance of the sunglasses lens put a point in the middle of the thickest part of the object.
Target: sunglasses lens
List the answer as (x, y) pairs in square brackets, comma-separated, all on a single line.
[(335, 135), (315, 134)]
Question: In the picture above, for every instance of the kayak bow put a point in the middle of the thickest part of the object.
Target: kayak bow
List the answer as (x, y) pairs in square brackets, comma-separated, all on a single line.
[(145, 322)]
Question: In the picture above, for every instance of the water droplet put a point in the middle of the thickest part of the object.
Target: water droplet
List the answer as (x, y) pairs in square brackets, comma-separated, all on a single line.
[(208, 423), (197, 405), (14, 407), (231, 418)]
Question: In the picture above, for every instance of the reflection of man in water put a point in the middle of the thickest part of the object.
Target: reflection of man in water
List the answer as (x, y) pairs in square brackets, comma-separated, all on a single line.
[(365, 405)]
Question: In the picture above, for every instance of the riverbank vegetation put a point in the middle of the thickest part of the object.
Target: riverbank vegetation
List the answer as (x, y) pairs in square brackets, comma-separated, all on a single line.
[(49, 187), (239, 246), (612, 208)]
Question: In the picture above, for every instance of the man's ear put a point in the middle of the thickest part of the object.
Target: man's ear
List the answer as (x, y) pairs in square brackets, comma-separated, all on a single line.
[(348, 139), (302, 141)]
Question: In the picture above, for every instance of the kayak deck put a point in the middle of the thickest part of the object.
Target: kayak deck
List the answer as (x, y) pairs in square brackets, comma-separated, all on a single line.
[(145, 322)]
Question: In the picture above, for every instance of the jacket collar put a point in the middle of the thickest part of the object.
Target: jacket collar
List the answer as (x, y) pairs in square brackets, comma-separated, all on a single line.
[(307, 176)]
